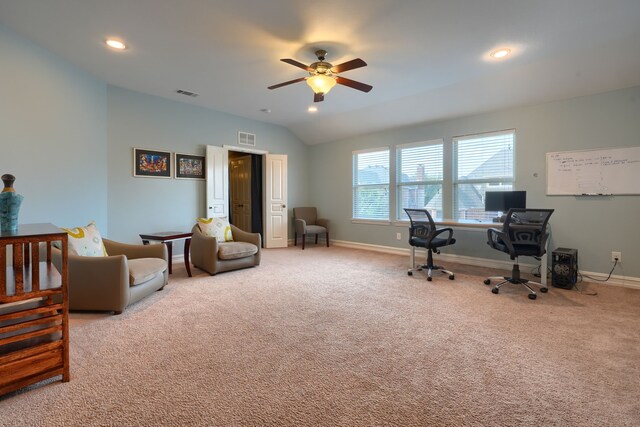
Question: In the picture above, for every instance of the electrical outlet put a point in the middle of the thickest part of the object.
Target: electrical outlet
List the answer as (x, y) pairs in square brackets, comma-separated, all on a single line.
[(399, 236), (615, 255)]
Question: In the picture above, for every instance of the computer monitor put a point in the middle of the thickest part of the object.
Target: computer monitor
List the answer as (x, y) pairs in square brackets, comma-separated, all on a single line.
[(502, 201)]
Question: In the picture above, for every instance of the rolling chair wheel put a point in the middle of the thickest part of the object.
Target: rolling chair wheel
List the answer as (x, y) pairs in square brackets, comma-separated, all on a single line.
[(409, 273), (487, 282), (532, 296), (452, 277), (543, 290), (429, 279), (495, 290)]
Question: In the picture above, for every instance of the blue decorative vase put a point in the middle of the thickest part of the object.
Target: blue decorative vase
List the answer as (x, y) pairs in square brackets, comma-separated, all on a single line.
[(9, 205)]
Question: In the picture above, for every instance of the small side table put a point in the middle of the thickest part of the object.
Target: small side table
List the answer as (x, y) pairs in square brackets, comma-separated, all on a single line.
[(168, 237)]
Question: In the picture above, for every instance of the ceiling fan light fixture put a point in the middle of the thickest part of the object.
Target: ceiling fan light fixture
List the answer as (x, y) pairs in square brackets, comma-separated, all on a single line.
[(501, 53), (321, 83), (115, 44)]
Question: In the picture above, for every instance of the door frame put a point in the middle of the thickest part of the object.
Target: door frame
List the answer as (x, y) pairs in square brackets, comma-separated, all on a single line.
[(264, 154)]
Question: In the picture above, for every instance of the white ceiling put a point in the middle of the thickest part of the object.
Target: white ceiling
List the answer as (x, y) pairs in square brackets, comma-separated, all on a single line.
[(428, 59)]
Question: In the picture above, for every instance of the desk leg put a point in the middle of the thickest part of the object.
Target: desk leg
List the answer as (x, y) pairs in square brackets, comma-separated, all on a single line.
[(170, 253), (187, 263), (543, 269)]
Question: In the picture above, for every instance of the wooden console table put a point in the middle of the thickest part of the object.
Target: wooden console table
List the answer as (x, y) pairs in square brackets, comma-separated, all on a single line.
[(34, 308), (168, 237)]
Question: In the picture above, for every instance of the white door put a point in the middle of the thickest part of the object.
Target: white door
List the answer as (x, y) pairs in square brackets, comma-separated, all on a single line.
[(275, 206), (217, 181), (240, 192)]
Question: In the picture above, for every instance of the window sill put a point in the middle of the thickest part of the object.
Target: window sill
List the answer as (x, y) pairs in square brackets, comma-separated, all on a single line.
[(370, 221)]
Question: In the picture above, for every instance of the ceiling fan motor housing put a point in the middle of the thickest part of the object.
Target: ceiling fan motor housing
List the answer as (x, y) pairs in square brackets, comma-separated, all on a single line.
[(321, 68)]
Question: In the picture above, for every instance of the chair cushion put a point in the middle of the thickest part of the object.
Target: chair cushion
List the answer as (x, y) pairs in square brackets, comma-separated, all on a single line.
[(217, 227), (235, 250), (85, 241), (315, 229), (144, 269)]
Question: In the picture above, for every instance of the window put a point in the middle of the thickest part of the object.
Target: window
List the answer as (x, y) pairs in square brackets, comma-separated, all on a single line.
[(371, 184), (482, 162), (419, 178)]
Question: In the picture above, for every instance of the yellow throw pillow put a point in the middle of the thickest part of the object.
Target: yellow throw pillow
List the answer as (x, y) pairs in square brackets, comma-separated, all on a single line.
[(217, 227), (86, 241)]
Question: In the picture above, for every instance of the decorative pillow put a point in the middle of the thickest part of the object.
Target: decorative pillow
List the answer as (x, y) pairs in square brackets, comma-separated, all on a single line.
[(86, 241), (217, 227)]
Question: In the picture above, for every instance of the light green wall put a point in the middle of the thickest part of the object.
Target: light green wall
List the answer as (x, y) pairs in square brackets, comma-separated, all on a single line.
[(138, 205), (594, 226), (52, 135)]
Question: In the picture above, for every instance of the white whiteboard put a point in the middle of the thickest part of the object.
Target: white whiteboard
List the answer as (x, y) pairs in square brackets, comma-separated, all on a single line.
[(594, 172)]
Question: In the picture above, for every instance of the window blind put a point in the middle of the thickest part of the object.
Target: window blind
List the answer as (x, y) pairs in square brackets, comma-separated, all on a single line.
[(371, 184), (483, 163), (419, 180)]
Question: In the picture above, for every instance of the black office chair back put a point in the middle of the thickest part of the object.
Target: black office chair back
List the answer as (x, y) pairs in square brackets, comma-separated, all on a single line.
[(526, 232), (422, 224)]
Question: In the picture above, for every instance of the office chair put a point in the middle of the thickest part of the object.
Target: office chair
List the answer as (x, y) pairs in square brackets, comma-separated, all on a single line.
[(424, 234), (524, 233)]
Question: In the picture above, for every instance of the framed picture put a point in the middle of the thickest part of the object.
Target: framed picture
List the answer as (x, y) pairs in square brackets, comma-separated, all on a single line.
[(151, 163), (189, 166)]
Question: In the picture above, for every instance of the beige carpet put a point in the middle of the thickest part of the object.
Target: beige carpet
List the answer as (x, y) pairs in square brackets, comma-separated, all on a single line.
[(337, 337)]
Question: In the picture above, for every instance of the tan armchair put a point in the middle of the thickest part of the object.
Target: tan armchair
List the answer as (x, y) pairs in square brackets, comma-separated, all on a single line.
[(114, 282), (216, 257), (306, 221)]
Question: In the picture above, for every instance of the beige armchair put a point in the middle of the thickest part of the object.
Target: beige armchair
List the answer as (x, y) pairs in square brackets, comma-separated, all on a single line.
[(212, 256), (114, 282), (306, 221)]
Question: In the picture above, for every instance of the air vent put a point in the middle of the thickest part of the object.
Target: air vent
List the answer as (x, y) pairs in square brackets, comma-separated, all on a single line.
[(245, 138), (187, 93)]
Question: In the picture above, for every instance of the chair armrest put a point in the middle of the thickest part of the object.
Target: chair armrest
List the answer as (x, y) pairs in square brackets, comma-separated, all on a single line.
[(243, 236), (543, 244), (135, 251), (300, 226), (443, 230), (204, 250), (96, 283), (201, 241), (323, 222)]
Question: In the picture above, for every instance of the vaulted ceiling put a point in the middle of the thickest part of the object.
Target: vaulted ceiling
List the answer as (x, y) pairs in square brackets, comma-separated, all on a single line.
[(427, 59)]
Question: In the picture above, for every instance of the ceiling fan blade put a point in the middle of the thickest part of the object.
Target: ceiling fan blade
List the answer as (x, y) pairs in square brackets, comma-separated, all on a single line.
[(318, 97), (296, 64), (353, 84), (349, 65), (287, 83)]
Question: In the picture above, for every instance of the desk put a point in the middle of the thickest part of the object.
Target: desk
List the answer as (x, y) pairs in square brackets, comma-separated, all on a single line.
[(472, 223), (168, 237)]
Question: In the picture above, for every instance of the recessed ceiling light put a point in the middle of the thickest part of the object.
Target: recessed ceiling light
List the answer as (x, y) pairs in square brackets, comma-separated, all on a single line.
[(500, 53), (312, 109), (116, 44)]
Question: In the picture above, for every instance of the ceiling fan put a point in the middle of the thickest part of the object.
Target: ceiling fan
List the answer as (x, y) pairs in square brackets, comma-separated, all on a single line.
[(323, 76)]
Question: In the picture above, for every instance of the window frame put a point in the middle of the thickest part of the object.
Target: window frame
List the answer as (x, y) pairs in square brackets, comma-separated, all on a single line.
[(356, 186), (456, 181), (399, 184)]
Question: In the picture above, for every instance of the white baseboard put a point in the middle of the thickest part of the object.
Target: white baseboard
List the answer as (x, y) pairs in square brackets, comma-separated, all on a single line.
[(614, 280)]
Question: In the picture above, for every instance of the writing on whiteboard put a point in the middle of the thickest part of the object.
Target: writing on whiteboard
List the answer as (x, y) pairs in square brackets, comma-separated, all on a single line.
[(594, 172)]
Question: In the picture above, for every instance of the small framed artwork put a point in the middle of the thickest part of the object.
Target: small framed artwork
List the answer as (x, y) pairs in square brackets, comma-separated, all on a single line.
[(189, 166), (151, 163)]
